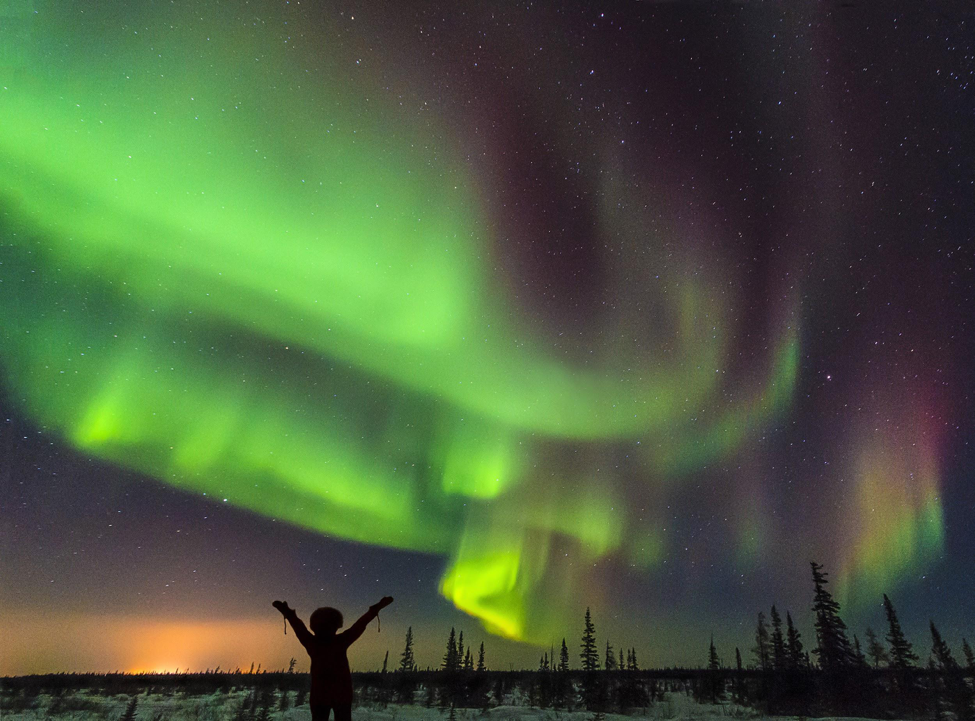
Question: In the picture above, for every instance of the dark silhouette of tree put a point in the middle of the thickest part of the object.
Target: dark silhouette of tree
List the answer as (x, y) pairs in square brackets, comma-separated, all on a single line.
[(714, 663), (589, 655), (943, 659), (563, 696), (763, 647), (406, 660), (875, 649), (902, 656), (460, 650), (793, 644), (480, 658), (610, 664), (385, 662), (833, 649), (632, 664), (903, 661), (451, 662), (593, 688), (564, 657), (858, 658), (739, 678), (543, 662), (715, 679), (949, 682), (779, 661), (969, 657)]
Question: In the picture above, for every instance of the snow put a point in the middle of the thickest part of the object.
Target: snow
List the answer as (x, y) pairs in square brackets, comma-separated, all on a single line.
[(219, 706)]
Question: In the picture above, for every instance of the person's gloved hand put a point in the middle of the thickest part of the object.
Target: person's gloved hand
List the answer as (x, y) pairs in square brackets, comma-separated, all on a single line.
[(284, 608), (385, 601)]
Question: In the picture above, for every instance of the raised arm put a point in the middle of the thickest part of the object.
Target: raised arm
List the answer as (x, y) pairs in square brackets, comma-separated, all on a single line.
[(350, 635), (303, 634)]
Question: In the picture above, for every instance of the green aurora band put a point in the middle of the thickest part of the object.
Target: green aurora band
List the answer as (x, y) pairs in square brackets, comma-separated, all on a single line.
[(280, 294)]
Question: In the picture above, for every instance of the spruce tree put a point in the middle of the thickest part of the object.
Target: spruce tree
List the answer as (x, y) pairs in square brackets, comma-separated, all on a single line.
[(833, 649), (589, 654), (875, 649), (778, 641), (902, 656), (480, 658), (407, 661), (942, 654), (716, 682), (385, 662), (468, 660), (969, 657), (610, 664), (634, 666), (450, 660), (564, 657), (714, 663), (739, 681), (460, 650), (763, 649), (793, 644), (593, 687), (859, 659), (959, 694)]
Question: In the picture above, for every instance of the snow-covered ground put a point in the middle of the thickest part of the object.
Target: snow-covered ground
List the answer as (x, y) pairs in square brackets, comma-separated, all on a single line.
[(221, 706)]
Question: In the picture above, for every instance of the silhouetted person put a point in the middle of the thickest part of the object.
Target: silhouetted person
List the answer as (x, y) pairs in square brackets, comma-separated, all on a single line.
[(331, 678)]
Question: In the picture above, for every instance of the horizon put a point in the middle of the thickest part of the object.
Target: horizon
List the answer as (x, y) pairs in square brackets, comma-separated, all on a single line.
[(144, 638)]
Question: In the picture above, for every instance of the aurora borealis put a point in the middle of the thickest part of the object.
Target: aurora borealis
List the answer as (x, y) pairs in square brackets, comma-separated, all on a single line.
[(505, 312)]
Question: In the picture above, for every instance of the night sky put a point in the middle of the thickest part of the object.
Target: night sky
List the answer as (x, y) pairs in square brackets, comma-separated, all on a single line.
[(504, 312)]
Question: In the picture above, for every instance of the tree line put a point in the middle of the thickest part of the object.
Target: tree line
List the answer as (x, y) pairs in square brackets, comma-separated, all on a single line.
[(881, 678)]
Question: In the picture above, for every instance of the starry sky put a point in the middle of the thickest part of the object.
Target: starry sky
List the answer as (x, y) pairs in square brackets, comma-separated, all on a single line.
[(505, 311)]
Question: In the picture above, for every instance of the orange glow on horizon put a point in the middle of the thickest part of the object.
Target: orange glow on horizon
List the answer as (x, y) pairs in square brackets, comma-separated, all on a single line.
[(141, 645)]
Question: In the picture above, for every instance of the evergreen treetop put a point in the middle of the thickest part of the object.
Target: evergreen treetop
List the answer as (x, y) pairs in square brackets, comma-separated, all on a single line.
[(406, 660), (779, 661), (714, 663), (941, 653), (589, 655), (451, 662), (564, 657), (902, 654), (793, 644), (969, 657), (833, 650), (763, 647), (875, 649)]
